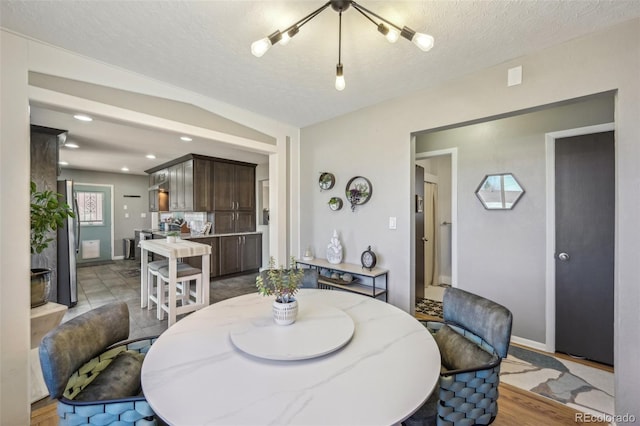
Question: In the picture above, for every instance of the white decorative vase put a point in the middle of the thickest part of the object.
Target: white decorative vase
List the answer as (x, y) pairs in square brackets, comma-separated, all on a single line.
[(171, 239), (334, 249), (285, 313)]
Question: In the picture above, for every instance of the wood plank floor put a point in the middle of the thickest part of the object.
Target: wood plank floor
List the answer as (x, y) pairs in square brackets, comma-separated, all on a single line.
[(516, 407)]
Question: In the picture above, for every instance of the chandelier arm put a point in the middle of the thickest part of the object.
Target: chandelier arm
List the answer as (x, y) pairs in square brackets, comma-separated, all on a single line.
[(364, 14), (340, 39), (309, 17), (363, 9)]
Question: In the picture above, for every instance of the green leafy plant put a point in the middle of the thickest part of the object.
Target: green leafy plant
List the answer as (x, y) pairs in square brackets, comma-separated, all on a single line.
[(280, 282), (173, 234), (48, 213)]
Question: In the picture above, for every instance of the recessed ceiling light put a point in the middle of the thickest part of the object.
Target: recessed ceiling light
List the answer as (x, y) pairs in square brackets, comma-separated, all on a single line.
[(125, 169), (151, 156), (185, 138), (63, 163), (71, 145), (82, 117)]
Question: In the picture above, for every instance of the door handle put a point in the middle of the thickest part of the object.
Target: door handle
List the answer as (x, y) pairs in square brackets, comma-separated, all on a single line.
[(564, 257), (424, 239)]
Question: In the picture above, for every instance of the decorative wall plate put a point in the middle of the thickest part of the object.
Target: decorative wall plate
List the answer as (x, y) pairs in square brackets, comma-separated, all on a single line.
[(358, 191), (326, 181), (335, 203)]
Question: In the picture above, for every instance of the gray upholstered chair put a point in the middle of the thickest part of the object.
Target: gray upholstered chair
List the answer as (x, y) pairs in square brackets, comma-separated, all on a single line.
[(473, 340), (93, 372), (310, 278)]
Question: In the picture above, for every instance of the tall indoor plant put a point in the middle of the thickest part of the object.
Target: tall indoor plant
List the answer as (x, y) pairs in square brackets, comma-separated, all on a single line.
[(48, 213), (283, 284)]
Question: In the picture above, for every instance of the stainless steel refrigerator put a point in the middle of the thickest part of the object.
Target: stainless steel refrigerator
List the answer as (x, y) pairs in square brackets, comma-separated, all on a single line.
[(68, 245)]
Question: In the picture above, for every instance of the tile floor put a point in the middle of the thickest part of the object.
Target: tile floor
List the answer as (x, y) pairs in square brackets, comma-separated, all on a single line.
[(120, 280)]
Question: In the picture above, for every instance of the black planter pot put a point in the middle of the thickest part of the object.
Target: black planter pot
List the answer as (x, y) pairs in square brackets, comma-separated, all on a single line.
[(40, 286)]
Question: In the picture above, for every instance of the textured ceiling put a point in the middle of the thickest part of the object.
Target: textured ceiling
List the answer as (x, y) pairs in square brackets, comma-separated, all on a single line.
[(204, 46)]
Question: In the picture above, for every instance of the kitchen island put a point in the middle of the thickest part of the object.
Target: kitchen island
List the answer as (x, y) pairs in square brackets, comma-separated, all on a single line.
[(234, 253)]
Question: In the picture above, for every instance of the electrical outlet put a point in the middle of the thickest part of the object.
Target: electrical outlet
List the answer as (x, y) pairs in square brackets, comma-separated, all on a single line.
[(392, 222), (143, 215), (126, 215), (125, 207)]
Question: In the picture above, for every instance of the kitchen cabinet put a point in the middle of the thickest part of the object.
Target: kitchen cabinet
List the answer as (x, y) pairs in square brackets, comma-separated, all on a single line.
[(190, 187), (158, 197), (234, 195), (214, 265), (240, 253)]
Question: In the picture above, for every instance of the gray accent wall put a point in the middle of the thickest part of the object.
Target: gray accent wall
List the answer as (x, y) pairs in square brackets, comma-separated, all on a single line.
[(501, 253), (376, 142), (123, 184)]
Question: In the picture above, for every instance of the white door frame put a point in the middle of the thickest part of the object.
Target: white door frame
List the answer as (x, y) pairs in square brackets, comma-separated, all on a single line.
[(550, 281), (113, 224), (453, 152)]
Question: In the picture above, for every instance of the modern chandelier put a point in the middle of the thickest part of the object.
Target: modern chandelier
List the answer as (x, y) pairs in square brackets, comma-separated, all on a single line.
[(390, 30)]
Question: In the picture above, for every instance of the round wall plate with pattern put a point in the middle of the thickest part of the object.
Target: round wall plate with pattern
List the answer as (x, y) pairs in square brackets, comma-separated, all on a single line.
[(335, 203), (326, 181), (358, 191)]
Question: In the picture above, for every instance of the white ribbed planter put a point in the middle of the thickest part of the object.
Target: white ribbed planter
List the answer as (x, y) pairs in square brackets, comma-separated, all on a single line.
[(285, 313)]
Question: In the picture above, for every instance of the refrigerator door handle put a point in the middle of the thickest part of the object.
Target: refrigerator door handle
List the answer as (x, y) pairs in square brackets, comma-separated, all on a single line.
[(76, 224)]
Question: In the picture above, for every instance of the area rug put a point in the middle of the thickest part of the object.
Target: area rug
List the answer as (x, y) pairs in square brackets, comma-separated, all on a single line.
[(429, 307), (576, 385)]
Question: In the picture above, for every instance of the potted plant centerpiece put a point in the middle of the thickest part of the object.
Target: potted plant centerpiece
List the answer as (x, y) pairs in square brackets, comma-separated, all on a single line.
[(172, 236), (283, 284), (48, 214)]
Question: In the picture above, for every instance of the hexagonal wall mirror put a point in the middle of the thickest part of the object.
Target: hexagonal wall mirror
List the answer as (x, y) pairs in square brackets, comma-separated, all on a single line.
[(499, 191)]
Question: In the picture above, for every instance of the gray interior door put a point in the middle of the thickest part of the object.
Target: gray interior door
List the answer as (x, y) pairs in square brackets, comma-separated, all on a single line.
[(585, 214), (419, 237)]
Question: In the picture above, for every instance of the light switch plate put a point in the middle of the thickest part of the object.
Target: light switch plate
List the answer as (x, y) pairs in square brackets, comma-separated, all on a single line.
[(392, 222)]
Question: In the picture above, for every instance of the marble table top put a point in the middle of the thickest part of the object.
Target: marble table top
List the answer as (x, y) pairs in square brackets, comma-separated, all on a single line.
[(194, 375)]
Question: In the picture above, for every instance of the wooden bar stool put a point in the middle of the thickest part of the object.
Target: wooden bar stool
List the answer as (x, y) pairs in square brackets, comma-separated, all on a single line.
[(190, 300), (152, 295)]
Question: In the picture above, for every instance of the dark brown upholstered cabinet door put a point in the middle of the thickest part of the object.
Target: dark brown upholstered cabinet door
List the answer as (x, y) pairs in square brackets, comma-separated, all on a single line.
[(245, 187), (187, 185), (234, 191), (251, 252), (214, 265), (223, 184), (224, 222), (202, 185), (229, 255)]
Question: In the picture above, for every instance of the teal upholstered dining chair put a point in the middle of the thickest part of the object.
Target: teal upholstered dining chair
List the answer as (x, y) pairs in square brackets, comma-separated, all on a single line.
[(93, 372), (473, 340)]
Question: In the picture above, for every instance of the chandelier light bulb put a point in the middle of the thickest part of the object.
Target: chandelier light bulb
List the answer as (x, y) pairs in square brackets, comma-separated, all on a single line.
[(340, 83), (423, 41), (285, 39), (260, 47), (393, 35)]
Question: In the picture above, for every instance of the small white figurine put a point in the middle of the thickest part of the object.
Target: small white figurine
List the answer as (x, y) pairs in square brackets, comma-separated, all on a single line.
[(334, 249)]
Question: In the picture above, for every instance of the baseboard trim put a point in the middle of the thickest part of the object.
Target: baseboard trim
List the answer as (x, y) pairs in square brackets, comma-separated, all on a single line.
[(445, 280), (118, 257), (529, 343)]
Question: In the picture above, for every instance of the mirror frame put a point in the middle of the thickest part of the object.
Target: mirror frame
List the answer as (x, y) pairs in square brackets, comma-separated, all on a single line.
[(501, 188)]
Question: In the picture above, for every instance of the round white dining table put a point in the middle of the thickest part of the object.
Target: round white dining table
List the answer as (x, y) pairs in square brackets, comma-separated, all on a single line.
[(194, 374)]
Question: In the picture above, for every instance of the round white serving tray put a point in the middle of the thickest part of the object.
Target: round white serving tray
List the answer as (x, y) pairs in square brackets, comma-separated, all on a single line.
[(319, 330)]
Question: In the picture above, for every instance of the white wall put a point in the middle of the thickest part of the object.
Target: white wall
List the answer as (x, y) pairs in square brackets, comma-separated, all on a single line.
[(14, 234), (376, 142)]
